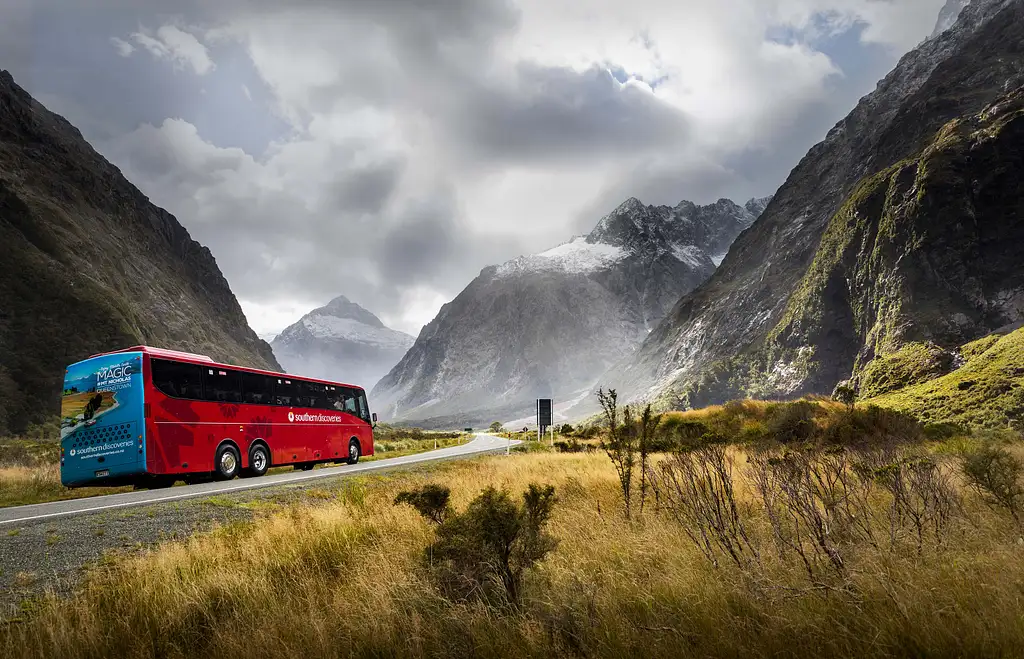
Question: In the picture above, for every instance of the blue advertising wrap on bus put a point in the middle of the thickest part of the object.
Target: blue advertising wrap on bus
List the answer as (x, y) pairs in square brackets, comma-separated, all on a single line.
[(102, 420)]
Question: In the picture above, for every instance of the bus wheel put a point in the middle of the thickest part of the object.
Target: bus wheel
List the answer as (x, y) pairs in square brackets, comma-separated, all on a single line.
[(353, 452), (226, 463), (259, 461)]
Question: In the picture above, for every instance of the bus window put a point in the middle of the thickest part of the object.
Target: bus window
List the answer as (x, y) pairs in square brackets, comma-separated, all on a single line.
[(257, 389), (284, 392), (345, 401), (222, 386), (178, 379), (364, 409), (317, 394)]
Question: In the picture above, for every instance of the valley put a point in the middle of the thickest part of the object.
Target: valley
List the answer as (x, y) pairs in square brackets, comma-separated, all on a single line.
[(791, 426)]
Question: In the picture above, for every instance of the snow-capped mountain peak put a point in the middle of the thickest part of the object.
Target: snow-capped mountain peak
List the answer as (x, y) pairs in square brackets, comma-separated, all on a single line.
[(341, 341)]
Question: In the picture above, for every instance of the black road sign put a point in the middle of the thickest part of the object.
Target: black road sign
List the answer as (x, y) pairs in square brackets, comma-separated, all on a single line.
[(543, 413)]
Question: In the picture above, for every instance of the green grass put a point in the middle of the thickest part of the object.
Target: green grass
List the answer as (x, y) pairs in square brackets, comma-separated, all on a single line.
[(914, 363), (986, 391)]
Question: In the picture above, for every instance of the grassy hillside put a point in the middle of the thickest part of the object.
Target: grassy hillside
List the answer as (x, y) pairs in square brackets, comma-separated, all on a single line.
[(987, 390)]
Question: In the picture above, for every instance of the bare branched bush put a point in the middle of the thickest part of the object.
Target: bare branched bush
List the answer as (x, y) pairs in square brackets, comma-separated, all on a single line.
[(806, 501), (697, 489), (922, 494)]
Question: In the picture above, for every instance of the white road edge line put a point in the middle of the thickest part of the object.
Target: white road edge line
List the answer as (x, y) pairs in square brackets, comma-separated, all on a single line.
[(244, 486)]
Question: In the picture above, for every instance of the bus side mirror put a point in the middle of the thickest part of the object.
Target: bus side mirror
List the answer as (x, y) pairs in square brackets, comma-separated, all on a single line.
[(374, 417)]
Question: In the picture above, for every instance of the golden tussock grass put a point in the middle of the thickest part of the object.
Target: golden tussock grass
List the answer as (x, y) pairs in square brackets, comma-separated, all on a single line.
[(344, 578), (20, 485)]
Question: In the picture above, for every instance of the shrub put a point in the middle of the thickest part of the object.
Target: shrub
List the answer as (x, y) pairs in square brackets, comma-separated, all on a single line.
[(431, 501), (486, 550), (941, 431), (872, 426), (572, 446), (790, 423), (996, 474), (689, 433)]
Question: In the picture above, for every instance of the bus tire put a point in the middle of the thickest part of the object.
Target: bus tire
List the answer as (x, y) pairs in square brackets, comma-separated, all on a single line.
[(353, 452), (259, 460), (226, 463)]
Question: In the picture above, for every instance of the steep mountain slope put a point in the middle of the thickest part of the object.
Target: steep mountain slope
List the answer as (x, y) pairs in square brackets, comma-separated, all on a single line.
[(341, 341), (88, 264), (550, 323), (901, 226)]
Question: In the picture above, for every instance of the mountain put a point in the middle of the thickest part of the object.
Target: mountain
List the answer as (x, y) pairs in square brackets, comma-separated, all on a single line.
[(341, 341), (948, 15), (88, 264), (551, 323), (904, 225)]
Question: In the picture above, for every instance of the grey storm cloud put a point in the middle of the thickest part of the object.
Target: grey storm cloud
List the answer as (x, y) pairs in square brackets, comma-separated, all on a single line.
[(557, 113), (360, 217)]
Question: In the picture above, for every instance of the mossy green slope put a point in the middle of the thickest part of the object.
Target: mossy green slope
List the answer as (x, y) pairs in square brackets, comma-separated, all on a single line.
[(923, 257), (986, 391)]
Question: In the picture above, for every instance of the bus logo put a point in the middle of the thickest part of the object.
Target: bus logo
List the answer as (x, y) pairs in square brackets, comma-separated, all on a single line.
[(291, 417), (73, 452)]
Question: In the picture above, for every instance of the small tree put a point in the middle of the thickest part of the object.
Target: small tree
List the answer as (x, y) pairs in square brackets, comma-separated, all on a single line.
[(648, 426), (566, 429), (845, 394), (496, 427), (621, 445)]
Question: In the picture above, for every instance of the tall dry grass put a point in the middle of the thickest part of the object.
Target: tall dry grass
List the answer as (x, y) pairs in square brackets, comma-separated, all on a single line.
[(22, 484), (344, 578)]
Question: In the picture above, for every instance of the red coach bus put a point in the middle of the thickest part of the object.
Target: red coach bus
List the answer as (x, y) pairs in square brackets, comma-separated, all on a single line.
[(150, 417)]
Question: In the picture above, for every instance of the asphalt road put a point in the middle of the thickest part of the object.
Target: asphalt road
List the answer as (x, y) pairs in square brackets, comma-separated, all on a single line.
[(18, 514)]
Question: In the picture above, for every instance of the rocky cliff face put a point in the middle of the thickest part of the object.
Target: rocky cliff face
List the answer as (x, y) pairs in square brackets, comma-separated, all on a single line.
[(88, 264), (343, 342), (549, 324), (902, 225)]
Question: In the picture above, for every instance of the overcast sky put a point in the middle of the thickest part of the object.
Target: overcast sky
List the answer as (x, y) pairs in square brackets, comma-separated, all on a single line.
[(389, 149)]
